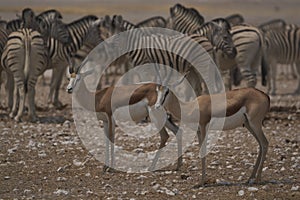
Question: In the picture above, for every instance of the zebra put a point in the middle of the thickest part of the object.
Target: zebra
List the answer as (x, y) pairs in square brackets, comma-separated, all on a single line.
[(249, 43), (184, 20), (282, 46), (279, 24), (142, 56), (24, 56), (60, 53), (44, 23), (247, 39)]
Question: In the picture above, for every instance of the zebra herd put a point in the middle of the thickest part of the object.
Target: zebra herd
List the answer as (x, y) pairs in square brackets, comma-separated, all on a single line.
[(34, 43)]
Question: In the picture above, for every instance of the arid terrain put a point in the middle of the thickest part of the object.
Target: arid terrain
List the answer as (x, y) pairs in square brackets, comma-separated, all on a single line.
[(48, 160)]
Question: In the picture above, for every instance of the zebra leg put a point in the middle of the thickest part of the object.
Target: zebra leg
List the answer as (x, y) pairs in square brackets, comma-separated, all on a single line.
[(22, 94), (56, 79), (10, 89), (31, 109), (15, 102), (298, 77), (249, 76), (56, 101), (272, 78), (226, 75)]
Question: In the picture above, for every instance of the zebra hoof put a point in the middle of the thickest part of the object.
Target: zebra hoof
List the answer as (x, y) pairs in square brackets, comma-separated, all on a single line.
[(58, 105), (17, 119), (251, 181), (33, 118)]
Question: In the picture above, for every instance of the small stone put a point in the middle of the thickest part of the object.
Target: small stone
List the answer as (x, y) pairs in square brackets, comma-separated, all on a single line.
[(295, 188), (60, 192), (156, 186), (67, 124), (6, 177), (252, 189), (77, 163), (60, 169), (169, 192), (241, 193), (194, 197)]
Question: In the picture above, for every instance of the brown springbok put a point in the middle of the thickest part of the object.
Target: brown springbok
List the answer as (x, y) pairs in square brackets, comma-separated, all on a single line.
[(241, 107), (108, 99)]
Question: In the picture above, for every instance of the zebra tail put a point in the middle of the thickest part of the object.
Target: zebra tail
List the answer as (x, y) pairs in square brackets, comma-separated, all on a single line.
[(27, 51), (264, 71)]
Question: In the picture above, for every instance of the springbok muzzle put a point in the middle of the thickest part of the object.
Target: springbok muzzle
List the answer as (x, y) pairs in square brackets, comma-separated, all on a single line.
[(73, 79)]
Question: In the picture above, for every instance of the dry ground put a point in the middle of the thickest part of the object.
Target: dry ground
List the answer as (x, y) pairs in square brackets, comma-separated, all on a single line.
[(48, 160)]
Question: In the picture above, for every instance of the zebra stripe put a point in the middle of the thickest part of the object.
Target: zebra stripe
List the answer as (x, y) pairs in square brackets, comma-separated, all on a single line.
[(282, 46), (24, 56)]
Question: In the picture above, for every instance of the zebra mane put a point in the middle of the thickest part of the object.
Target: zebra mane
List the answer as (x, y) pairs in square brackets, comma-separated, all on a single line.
[(153, 21), (222, 22), (50, 14), (273, 24), (13, 25)]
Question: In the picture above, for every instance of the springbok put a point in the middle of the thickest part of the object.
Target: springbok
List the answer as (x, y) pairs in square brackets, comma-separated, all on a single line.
[(108, 99), (243, 107)]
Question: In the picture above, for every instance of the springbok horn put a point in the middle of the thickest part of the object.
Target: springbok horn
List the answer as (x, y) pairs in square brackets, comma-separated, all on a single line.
[(158, 75), (178, 82)]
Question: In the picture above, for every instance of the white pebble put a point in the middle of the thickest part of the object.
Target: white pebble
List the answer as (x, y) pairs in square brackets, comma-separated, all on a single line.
[(252, 189), (241, 192), (295, 188)]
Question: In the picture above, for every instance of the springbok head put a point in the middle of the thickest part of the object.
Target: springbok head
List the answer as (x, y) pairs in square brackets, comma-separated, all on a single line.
[(163, 89), (75, 75)]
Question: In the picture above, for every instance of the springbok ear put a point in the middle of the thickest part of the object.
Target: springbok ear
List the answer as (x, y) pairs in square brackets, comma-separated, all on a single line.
[(84, 74), (158, 74)]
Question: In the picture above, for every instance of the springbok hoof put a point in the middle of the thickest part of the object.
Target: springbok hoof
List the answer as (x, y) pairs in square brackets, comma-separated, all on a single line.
[(107, 169), (11, 115)]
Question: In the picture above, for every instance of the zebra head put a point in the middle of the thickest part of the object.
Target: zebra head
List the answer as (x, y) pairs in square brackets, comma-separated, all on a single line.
[(185, 19), (117, 24), (51, 26), (105, 27), (28, 19), (222, 38)]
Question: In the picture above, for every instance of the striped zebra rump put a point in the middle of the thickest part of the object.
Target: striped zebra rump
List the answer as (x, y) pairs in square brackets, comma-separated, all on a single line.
[(282, 47), (24, 56)]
